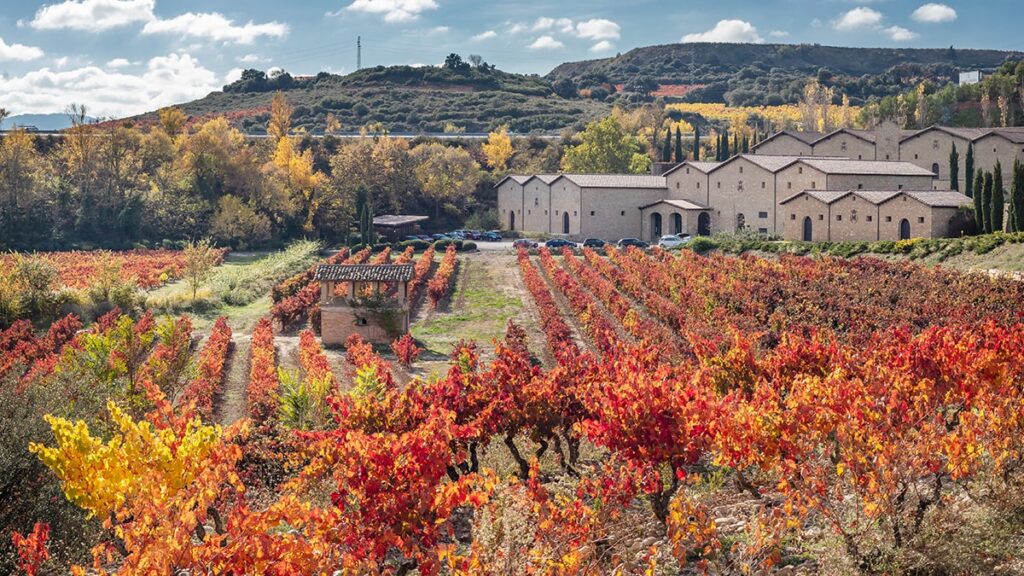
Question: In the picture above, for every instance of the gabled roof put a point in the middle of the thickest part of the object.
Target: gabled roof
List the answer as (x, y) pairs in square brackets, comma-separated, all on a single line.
[(522, 179), (772, 163), (545, 178), (939, 198), (877, 196), (1014, 134), (698, 165), (805, 137), (681, 204), (615, 180), (365, 272), (826, 196), (969, 134), (864, 167), (865, 135)]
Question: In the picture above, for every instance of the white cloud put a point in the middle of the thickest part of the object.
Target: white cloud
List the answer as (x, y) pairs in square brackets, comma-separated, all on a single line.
[(602, 46), (393, 10), (250, 59), (546, 43), (900, 34), (92, 15), (517, 28), (598, 29), (727, 31), (214, 26), (19, 52), (119, 63), (486, 35), (438, 30), (860, 17), (933, 13), (233, 75), (545, 23), (779, 34), (61, 62), (166, 80)]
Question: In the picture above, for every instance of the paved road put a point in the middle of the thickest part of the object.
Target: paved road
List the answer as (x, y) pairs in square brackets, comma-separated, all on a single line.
[(503, 246)]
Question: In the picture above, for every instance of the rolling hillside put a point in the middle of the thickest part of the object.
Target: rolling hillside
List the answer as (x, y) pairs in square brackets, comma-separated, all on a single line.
[(477, 99), (758, 74)]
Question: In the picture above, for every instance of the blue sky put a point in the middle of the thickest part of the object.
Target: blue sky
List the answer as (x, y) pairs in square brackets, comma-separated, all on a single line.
[(121, 57)]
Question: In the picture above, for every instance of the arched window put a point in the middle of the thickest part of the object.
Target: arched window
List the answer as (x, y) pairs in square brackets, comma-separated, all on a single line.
[(935, 168), (704, 224), (677, 223), (904, 229), (512, 221), (741, 222), (565, 222), (808, 229)]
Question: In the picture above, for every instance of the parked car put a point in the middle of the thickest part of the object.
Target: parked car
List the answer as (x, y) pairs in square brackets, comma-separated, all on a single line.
[(436, 237), (524, 243), (671, 241), (426, 237), (594, 243), (411, 238), (560, 243), (490, 237), (635, 242)]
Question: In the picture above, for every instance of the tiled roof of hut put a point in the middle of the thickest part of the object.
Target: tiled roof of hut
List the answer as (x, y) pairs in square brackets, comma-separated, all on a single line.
[(365, 272)]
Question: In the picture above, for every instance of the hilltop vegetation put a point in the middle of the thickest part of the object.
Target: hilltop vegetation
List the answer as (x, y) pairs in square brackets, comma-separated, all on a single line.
[(427, 99), (768, 74), (461, 96)]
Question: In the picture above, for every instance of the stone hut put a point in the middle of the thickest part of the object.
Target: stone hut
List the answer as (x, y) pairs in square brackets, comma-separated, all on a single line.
[(369, 300)]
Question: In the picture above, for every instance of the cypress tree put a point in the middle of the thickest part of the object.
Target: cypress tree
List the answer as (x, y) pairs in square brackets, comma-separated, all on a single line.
[(680, 154), (1016, 201), (725, 147), (954, 169), (979, 185), (718, 148), (998, 199), (735, 143), (666, 152), (969, 171), (696, 143), (986, 204)]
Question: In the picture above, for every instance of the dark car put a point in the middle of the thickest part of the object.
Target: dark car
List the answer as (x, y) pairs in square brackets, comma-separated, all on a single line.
[(411, 238), (524, 243), (560, 243), (440, 237), (426, 237), (635, 242), (594, 243), (490, 237)]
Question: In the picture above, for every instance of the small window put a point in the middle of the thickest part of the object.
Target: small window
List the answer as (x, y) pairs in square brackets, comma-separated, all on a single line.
[(741, 169), (821, 216), (687, 170), (915, 156), (623, 212), (591, 212), (800, 170), (545, 212), (920, 219), (870, 218), (361, 321), (789, 185), (698, 185), (763, 184), (719, 184), (762, 230), (792, 216), (859, 187), (860, 156), (839, 217), (886, 156), (901, 188), (762, 214), (536, 201), (556, 212), (573, 212), (677, 185), (814, 185), (529, 212), (888, 218), (842, 146)]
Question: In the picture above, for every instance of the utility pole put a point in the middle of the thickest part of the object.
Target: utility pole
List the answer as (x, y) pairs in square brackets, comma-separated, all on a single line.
[(359, 52)]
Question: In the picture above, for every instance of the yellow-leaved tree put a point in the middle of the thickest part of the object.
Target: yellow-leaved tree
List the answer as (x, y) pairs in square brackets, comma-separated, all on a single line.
[(498, 149)]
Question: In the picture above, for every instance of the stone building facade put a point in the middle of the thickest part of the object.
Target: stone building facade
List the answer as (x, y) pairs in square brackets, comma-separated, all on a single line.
[(368, 300)]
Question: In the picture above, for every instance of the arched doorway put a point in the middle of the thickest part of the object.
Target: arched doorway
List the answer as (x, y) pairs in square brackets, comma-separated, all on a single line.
[(741, 222), (565, 222), (677, 223), (655, 226), (904, 229), (935, 169), (511, 219), (704, 224), (808, 229)]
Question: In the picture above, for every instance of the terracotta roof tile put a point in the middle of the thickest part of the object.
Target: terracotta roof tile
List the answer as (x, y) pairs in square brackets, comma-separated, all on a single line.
[(365, 272)]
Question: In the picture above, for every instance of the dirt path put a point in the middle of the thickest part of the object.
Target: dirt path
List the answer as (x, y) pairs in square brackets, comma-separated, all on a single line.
[(230, 405), (579, 333)]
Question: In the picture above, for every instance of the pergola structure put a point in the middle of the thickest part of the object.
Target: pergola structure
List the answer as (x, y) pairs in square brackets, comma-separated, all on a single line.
[(365, 299)]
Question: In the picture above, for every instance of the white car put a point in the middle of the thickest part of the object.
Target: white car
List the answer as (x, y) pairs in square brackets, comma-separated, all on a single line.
[(672, 241)]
